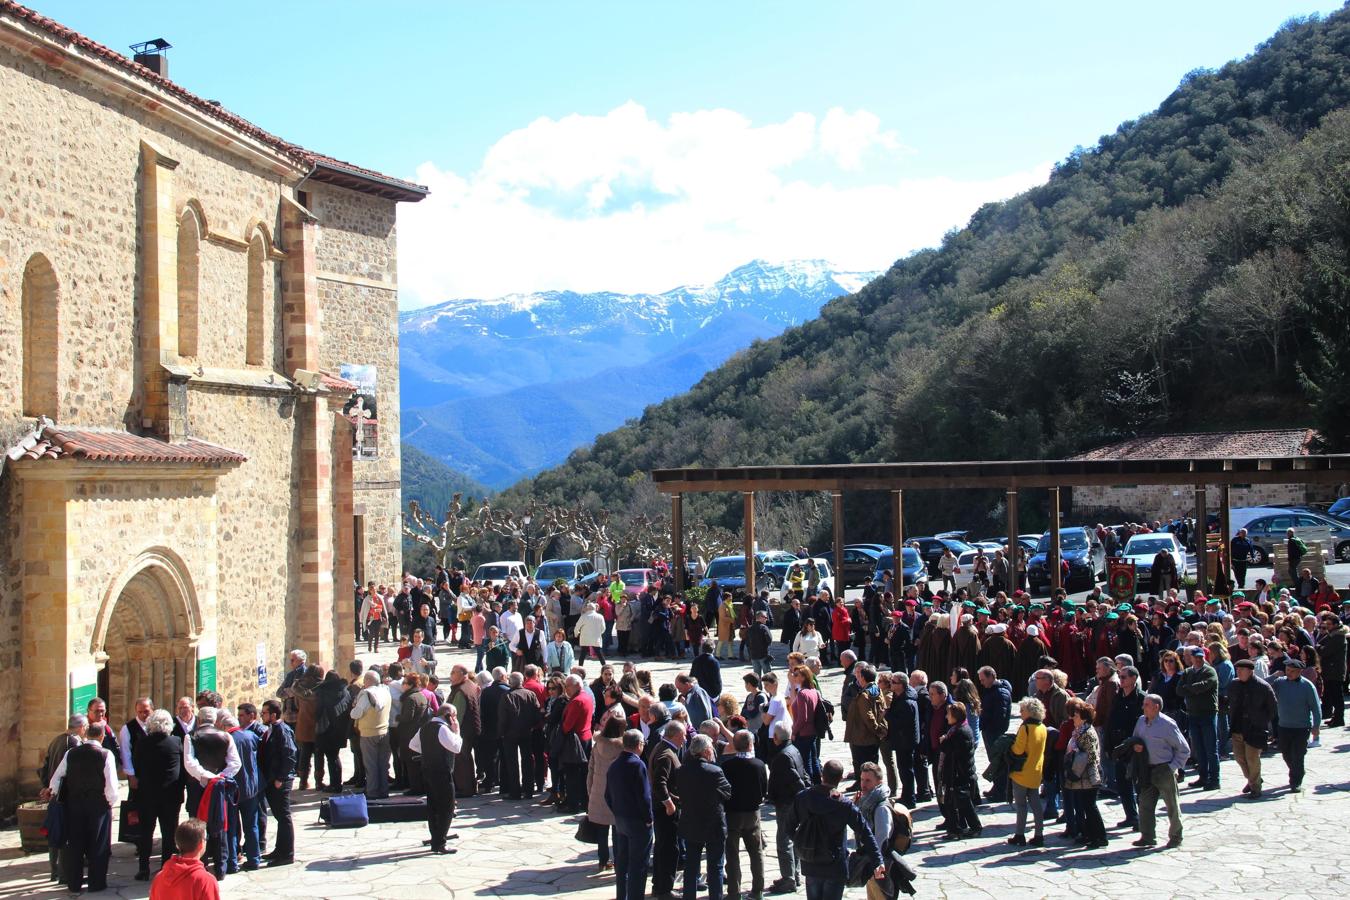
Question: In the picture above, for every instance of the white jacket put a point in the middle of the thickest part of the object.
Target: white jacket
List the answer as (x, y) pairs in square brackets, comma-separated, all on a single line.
[(590, 629)]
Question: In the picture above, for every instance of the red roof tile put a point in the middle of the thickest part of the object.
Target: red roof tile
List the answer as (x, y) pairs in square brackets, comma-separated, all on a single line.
[(341, 385), (1208, 445), (404, 190), (121, 447)]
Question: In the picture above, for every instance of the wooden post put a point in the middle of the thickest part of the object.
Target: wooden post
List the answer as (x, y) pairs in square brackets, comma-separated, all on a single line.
[(1201, 545), (1010, 554), (749, 543), (677, 539), (1225, 536), (898, 539), (1053, 560), (838, 562)]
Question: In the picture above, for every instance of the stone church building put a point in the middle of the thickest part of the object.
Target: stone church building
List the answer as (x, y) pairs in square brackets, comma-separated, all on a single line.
[(180, 295)]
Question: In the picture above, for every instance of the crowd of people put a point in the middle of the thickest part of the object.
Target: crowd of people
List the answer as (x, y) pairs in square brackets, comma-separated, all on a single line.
[(1115, 702)]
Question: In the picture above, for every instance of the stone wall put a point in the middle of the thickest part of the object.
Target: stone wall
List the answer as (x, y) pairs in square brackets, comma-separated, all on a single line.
[(1150, 502), (358, 299)]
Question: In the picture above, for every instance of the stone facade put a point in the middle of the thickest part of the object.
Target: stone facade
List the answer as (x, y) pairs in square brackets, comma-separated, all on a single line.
[(1147, 502), (171, 274)]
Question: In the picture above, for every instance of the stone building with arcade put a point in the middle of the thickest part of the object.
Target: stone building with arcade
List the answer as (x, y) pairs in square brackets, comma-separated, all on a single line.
[(190, 310)]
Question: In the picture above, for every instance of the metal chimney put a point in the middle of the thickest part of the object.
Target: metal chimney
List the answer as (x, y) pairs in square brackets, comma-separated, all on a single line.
[(151, 55)]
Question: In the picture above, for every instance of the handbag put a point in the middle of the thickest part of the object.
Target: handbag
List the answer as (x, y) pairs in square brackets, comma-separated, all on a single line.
[(128, 823), (589, 832), (573, 751), (1016, 760), (1077, 764)]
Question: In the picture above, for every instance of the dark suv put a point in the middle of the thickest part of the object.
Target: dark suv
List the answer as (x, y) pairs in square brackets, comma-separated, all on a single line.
[(1078, 547)]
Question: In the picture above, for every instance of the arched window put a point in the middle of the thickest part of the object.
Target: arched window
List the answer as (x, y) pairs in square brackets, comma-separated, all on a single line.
[(41, 305), (189, 251), (257, 328)]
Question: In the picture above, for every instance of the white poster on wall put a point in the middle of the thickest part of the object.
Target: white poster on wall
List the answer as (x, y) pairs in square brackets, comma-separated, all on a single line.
[(262, 664)]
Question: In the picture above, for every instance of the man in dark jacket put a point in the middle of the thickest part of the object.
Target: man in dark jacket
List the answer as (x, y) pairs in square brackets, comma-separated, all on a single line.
[(664, 763), (707, 669), (244, 826), (749, 779), (995, 714), (792, 622), (1126, 709), (1331, 648), (787, 779), (759, 641), (824, 819), (86, 781), (628, 793), (517, 718), (208, 754), (276, 770), (413, 712), (903, 733), (1251, 708), (1199, 687), (488, 749), (704, 791)]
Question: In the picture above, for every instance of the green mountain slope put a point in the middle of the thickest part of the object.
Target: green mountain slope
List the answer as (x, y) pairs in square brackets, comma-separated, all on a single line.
[(432, 483), (1190, 270)]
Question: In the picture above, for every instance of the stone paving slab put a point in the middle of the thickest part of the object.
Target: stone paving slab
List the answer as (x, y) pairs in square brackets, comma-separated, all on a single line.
[(1282, 846)]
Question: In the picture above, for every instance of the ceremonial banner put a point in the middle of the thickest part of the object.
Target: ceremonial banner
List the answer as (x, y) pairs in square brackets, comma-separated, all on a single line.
[(1120, 578)]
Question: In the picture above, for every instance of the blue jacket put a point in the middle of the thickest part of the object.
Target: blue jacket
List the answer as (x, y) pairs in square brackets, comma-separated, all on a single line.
[(699, 705), (1296, 703), (628, 792), (995, 708), (247, 777)]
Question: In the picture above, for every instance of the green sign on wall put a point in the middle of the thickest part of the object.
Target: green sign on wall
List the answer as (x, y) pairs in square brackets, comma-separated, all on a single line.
[(80, 697), (206, 674)]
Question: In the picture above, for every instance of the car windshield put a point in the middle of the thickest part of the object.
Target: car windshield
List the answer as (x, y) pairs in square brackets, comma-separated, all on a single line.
[(1149, 546), (550, 571), (631, 578), (726, 568), (491, 573), (886, 561), (1068, 540)]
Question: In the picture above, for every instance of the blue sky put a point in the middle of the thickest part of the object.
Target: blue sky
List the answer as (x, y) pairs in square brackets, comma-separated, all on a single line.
[(635, 146)]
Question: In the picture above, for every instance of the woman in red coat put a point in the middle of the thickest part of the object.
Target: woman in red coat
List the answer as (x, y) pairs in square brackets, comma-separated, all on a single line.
[(841, 628)]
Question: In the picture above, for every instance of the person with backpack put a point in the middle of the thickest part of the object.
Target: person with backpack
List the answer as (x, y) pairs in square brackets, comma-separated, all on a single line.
[(1296, 550), (824, 818), (809, 709)]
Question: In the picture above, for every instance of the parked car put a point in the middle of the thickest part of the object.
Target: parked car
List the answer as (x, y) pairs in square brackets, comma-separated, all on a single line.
[(879, 548), (496, 573), (822, 568), (1142, 549), (965, 564), (729, 573), (1079, 547), (635, 581), (575, 572), (859, 565), (1340, 509), (932, 548), (915, 572), (1269, 528)]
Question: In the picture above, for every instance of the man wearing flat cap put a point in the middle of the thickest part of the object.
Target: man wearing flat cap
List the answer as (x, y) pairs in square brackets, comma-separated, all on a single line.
[(1251, 707), (1199, 687), (1300, 711)]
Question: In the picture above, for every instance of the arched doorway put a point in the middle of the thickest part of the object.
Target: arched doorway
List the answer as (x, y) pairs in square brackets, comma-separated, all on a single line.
[(146, 636)]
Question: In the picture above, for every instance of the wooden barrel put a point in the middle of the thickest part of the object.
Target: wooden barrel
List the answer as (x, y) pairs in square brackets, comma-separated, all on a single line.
[(31, 816)]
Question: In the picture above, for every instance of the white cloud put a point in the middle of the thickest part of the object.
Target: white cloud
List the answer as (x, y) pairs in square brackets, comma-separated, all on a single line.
[(627, 203)]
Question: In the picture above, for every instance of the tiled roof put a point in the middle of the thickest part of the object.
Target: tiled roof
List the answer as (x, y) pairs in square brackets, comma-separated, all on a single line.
[(120, 447), (341, 385), (406, 190), (1208, 445)]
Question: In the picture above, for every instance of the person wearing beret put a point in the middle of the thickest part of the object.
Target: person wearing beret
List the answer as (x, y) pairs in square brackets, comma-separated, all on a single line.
[(1251, 707)]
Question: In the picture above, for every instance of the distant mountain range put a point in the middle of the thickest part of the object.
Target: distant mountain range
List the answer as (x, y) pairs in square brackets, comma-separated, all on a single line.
[(500, 389)]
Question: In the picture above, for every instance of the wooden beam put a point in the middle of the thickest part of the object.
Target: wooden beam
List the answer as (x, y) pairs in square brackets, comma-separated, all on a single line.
[(1011, 553), (898, 539), (677, 539), (838, 564), (749, 497), (1225, 523), (1053, 560), (1201, 546)]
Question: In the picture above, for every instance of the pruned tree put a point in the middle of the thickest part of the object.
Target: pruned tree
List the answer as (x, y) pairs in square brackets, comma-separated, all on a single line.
[(532, 528), (588, 530), (448, 534)]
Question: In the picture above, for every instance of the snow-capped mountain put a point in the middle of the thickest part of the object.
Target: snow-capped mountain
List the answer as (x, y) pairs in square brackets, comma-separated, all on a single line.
[(492, 386)]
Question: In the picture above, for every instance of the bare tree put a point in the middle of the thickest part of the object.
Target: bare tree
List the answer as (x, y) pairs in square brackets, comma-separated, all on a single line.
[(789, 520), (447, 535), (588, 530), (532, 528)]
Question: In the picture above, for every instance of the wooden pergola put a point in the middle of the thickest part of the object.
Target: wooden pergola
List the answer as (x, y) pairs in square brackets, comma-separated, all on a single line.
[(1010, 476)]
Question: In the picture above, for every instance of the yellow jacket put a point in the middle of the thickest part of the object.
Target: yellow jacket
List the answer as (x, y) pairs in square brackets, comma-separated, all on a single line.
[(1031, 741)]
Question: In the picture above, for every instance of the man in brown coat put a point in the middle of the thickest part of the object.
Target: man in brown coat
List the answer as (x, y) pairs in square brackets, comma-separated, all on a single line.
[(865, 718), (464, 698), (413, 713)]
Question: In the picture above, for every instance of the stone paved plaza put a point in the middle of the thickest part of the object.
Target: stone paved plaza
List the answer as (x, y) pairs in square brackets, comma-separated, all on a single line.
[(1283, 846)]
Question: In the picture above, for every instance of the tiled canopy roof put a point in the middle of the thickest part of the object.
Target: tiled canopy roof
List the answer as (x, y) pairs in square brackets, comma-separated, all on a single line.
[(341, 385), (1208, 445), (326, 167), (120, 447)]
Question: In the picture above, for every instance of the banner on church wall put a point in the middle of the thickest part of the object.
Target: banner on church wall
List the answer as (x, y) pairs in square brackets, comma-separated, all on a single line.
[(206, 665), (362, 411), (83, 688)]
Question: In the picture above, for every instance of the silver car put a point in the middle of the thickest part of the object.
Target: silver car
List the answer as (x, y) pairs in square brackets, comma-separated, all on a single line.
[(1141, 549), (1269, 530)]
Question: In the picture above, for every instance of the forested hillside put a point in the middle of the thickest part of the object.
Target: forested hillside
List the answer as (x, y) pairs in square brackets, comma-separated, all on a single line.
[(1189, 271)]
